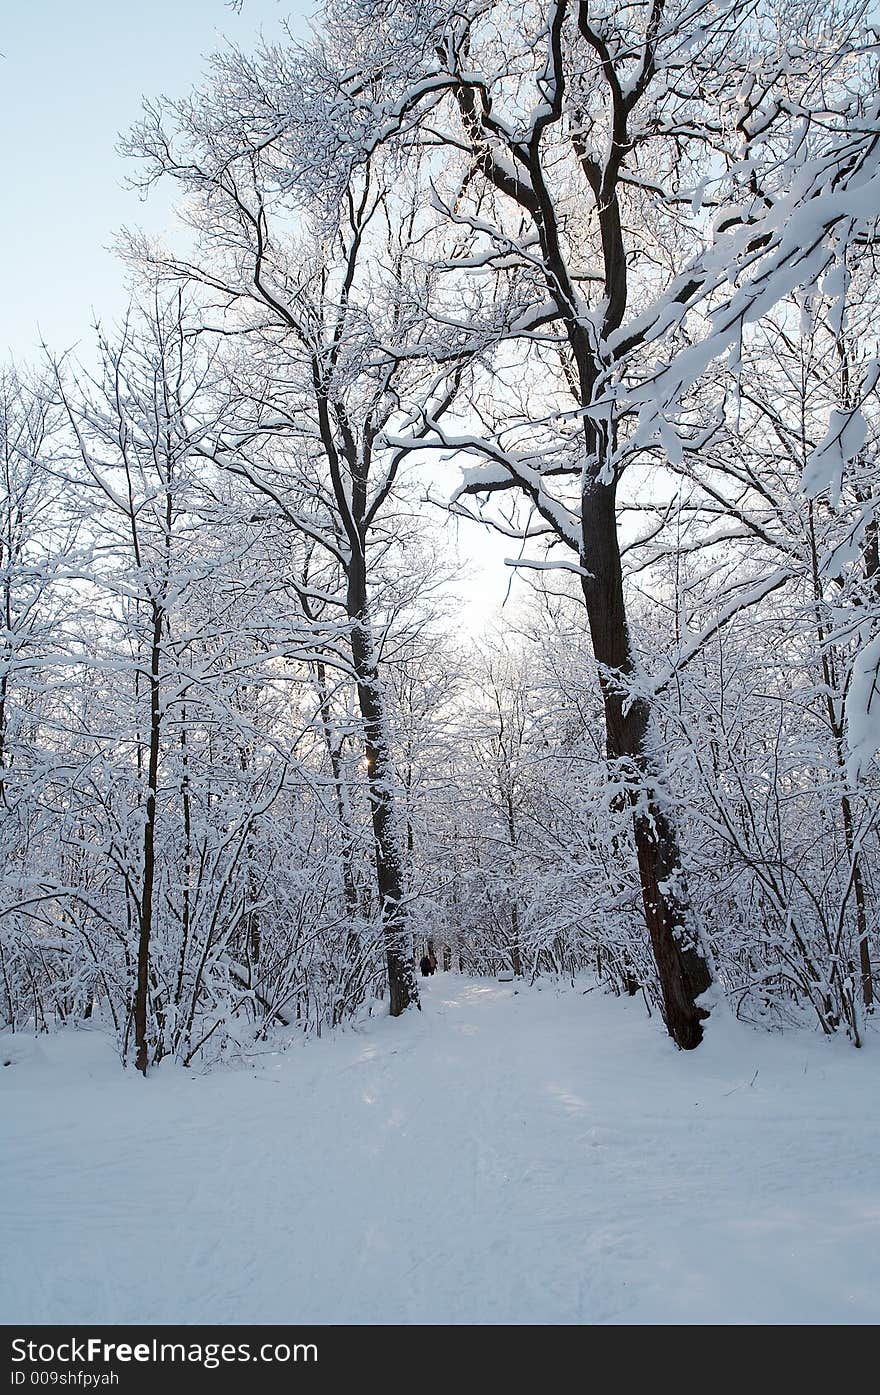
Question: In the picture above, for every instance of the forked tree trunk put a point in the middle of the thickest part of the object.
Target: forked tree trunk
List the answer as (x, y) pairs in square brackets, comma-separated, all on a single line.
[(682, 969)]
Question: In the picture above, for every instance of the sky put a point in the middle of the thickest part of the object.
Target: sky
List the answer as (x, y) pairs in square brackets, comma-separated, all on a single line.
[(73, 74), (72, 77)]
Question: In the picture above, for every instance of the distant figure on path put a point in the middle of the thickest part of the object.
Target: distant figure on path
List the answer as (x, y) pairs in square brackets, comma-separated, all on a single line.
[(426, 966)]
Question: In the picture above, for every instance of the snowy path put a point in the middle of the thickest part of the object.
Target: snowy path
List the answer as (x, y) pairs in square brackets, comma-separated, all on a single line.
[(540, 1157)]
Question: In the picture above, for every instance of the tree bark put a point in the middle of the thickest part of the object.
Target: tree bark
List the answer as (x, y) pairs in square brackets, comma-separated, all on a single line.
[(387, 843), (141, 997), (515, 955), (834, 711), (682, 969)]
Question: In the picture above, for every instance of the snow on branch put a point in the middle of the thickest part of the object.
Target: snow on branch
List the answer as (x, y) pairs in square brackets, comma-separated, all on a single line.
[(846, 436), (863, 709), (744, 600)]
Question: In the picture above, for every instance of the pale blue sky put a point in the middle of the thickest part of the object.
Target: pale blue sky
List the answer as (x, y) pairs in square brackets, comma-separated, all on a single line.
[(72, 74)]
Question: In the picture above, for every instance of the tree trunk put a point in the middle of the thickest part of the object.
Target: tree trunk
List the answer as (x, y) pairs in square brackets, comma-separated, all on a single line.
[(149, 875), (682, 969), (865, 971), (343, 812), (835, 720), (871, 554), (387, 842), (515, 956)]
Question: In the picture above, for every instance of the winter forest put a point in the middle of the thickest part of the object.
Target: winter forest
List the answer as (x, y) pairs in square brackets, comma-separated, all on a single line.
[(590, 287)]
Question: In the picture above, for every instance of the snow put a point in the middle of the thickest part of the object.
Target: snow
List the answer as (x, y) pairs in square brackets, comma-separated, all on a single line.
[(825, 466), (540, 1155), (863, 709)]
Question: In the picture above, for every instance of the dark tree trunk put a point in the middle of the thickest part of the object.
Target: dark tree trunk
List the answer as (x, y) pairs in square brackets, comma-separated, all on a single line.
[(681, 967), (356, 515), (141, 997), (186, 909), (387, 842), (683, 971), (858, 884), (515, 955)]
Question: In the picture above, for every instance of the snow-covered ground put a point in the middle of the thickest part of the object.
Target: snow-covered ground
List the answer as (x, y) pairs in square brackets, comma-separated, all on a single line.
[(542, 1156)]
